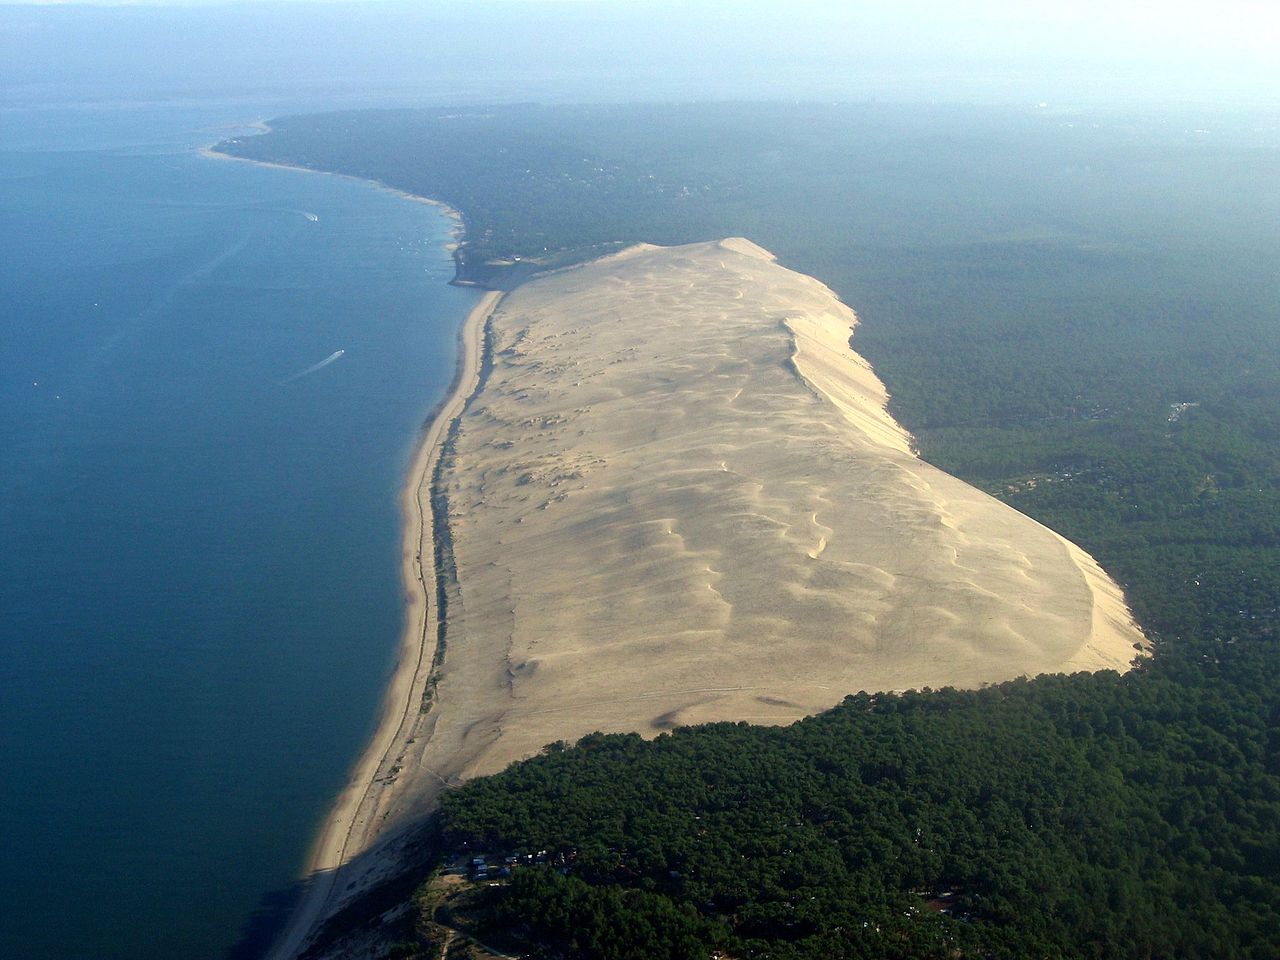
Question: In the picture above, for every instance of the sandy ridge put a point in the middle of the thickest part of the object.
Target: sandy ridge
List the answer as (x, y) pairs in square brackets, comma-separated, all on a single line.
[(824, 358)]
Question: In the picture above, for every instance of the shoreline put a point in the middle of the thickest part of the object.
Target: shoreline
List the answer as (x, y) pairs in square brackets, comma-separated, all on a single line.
[(354, 823), (458, 228)]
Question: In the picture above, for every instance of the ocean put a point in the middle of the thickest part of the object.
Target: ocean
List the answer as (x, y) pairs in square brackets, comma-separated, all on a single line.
[(199, 581)]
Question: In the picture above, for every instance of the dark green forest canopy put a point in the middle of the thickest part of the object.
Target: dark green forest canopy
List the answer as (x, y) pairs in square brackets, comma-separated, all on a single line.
[(1079, 314), (1069, 817)]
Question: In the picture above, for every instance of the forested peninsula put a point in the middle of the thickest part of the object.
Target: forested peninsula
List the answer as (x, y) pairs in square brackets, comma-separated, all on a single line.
[(1065, 316)]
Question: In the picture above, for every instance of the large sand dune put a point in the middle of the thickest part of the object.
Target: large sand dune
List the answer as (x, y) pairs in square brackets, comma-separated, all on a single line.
[(678, 497)]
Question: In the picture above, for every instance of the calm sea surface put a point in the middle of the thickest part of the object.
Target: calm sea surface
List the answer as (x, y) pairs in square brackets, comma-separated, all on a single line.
[(199, 585)]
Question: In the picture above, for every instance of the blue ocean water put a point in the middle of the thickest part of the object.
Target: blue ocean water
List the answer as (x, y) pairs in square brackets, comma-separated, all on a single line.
[(199, 583)]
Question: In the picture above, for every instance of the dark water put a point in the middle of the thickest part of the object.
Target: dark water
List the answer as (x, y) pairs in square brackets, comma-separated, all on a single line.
[(199, 593)]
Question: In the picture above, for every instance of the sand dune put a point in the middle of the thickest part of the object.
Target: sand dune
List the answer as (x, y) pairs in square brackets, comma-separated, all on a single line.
[(679, 498)]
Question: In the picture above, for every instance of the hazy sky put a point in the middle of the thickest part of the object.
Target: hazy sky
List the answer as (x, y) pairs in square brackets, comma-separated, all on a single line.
[(1004, 50)]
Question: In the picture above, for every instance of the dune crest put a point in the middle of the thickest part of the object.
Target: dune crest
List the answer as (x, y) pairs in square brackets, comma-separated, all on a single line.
[(678, 497)]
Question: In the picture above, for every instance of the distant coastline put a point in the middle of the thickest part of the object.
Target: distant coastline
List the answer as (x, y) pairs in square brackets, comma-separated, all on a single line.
[(458, 228)]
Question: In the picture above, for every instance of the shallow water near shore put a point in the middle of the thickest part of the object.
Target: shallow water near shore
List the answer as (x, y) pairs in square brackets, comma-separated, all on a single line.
[(211, 379)]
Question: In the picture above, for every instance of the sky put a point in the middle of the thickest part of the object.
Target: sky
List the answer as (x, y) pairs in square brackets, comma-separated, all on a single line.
[(994, 50)]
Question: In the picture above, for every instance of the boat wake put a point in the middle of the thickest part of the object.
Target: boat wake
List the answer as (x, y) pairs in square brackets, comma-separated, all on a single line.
[(336, 355)]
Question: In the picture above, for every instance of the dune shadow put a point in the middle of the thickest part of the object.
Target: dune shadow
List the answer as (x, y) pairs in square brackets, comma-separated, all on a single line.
[(372, 916), (267, 922)]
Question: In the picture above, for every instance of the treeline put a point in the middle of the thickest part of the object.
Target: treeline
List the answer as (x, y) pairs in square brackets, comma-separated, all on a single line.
[(1080, 315), (1085, 816)]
